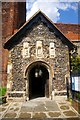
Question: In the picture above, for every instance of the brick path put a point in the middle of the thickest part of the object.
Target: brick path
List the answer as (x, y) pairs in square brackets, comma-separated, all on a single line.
[(39, 108)]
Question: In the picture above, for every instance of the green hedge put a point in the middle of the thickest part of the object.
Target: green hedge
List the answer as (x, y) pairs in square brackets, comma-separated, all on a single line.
[(2, 91)]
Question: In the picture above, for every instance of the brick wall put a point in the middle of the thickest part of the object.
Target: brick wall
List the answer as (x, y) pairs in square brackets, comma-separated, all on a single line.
[(13, 16)]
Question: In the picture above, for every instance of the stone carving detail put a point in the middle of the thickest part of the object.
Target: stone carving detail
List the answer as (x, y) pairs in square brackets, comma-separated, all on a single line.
[(52, 50), (25, 51), (39, 51)]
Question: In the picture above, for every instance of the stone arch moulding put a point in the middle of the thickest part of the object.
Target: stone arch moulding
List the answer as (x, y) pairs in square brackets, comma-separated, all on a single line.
[(49, 81)]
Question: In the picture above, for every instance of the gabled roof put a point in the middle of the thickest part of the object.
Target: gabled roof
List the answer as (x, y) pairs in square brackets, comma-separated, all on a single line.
[(38, 16)]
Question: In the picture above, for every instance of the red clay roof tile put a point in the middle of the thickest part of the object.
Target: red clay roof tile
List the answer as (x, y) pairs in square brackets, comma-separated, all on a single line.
[(71, 31)]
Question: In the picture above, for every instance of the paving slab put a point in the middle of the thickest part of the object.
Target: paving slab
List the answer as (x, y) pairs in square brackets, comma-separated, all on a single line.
[(10, 115), (51, 106), (39, 108), (54, 114), (40, 115), (26, 109), (64, 107), (69, 113), (41, 119), (25, 115)]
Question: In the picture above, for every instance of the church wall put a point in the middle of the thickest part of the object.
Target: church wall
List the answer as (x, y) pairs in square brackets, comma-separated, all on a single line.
[(59, 64)]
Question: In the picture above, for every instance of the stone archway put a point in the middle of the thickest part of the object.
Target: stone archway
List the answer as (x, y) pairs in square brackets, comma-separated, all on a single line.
[(38, 77), (38, 80)]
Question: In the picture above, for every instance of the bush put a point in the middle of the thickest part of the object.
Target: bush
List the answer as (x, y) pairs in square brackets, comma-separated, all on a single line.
[(79, 96), (75, 64), (2, 91), (76, 95)]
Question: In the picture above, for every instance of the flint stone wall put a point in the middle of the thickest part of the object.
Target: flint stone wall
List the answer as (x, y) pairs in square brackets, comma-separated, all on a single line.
[(60, 62)]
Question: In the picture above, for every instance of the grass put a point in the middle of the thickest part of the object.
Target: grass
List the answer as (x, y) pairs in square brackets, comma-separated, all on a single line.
[(2, 91)]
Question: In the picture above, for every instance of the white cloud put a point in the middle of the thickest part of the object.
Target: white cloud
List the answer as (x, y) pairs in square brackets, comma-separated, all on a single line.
[(51, 8)]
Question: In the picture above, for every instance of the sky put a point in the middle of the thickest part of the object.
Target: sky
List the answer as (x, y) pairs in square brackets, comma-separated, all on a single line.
[(56, 10)]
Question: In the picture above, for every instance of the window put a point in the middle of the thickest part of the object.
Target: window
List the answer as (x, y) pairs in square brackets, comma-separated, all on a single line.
[(39, 51), (25, 51), (52, 50)]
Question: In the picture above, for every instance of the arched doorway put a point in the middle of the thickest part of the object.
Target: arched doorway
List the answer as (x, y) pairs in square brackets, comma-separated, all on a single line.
[(38, 76)]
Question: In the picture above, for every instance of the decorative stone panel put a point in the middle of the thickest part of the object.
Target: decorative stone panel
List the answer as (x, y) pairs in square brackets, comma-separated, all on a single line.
[(52, 50), (39, 49), (26, 50)]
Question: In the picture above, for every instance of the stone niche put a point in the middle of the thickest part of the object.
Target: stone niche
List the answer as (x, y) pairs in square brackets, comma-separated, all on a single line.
[(39, 49), (25, 50), (52, 50), (41, 45)]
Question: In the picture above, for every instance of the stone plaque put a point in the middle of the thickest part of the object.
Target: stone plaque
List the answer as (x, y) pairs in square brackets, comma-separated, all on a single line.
[(39, 51), (52, 50), (25, 51)]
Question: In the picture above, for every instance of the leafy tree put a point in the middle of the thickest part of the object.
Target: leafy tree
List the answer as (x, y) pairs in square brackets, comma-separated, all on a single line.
[(75, 64)]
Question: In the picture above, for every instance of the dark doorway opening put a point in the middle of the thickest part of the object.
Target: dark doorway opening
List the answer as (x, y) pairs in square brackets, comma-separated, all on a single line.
[(38, 77)]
